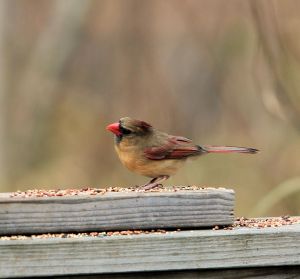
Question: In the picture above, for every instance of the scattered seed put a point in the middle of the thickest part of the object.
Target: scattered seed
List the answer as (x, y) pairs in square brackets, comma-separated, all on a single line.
[(241, 222), (101, 191), (260, 223)]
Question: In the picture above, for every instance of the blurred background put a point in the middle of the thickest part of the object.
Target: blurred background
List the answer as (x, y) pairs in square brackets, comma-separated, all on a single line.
[(222, 72)]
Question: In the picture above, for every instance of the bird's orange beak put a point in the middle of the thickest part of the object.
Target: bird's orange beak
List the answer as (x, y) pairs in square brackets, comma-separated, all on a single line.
[(114, 128)]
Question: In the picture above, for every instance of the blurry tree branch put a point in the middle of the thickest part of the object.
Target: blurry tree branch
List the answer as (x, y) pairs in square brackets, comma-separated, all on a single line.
[(280, 192), (277, 56), (38, 84)]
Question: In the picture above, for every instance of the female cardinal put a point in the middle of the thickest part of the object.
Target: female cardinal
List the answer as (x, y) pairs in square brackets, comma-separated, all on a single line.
[(149, 152)]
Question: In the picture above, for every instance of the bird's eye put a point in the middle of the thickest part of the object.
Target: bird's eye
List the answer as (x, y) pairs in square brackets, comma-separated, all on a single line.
[(124, 131)]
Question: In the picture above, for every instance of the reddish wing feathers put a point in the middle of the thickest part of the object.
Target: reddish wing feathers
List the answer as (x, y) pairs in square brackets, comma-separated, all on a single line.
[(175, 148), (177, 139), (183, 152), (157, 153)]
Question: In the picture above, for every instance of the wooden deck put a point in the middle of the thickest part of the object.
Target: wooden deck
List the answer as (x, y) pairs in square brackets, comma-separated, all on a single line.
[(180, 250), (194, 251)]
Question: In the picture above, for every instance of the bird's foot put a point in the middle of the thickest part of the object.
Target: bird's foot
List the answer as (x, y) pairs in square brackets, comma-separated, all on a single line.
[(150, 186), (154, 183)]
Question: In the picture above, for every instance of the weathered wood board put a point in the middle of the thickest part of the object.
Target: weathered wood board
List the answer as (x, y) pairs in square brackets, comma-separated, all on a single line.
[(183, 250), (116, 211), (283, 272)]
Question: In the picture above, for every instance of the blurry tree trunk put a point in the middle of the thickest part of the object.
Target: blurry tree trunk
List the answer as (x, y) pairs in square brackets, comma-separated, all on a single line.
[(278, 57), (2, 93), (37, 88)]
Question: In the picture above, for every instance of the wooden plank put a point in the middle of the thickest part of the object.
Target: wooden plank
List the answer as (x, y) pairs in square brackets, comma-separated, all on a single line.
[(285, 272), (116, 211), (184, 250)]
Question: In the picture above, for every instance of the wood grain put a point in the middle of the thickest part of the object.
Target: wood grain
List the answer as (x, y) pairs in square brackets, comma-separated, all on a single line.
[(184, 250), (116, 211), (283, 272)]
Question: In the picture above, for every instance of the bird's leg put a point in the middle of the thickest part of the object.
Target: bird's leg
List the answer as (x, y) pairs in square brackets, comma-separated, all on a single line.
[(154, 182)]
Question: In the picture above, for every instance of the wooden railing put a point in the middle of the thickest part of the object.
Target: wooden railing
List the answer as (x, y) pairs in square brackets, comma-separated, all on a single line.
[(183, 234)]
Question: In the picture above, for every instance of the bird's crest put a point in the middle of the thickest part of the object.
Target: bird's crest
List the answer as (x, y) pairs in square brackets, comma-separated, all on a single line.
[(135, 125)]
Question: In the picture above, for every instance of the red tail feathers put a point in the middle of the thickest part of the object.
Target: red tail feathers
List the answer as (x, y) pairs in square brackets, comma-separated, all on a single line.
[(228, 149)]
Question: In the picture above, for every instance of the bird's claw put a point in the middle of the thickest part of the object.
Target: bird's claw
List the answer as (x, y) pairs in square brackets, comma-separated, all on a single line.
[(150, 186)]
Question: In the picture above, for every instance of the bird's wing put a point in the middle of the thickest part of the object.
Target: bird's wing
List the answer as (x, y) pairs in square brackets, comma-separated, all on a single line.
[(174, 148)]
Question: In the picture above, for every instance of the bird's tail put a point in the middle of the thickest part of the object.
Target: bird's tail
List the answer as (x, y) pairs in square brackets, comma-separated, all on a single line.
[(228, 149)]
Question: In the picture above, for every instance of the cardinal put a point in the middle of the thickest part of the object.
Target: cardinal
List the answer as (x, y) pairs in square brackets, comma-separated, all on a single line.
[(152, 153)]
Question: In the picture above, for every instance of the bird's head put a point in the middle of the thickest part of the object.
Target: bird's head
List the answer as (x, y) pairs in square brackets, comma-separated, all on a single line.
[(128, 128)]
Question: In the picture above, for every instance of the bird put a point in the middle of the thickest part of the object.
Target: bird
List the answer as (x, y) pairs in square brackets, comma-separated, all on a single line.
[(155, 154)]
